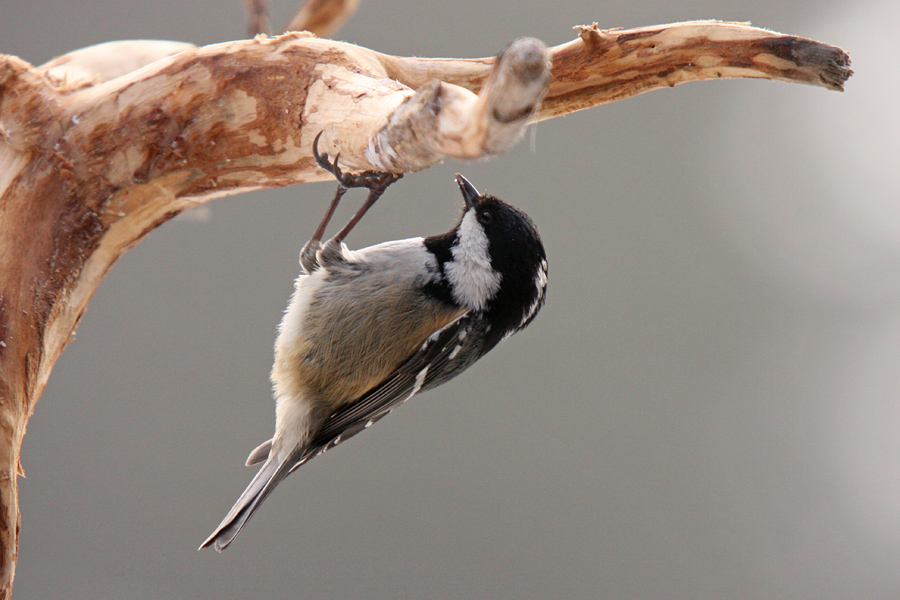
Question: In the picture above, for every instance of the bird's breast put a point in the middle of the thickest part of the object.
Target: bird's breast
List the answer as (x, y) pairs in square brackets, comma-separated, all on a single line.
[(351, 330)]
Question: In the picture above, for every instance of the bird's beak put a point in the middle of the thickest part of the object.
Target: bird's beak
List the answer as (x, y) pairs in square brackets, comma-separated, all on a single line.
[(470, 194)]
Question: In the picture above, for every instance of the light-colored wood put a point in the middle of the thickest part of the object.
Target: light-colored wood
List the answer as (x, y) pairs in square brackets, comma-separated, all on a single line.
[(323, 17), (95, 153)]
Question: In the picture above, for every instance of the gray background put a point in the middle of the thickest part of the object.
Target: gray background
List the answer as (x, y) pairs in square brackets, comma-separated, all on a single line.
[(707, 407)]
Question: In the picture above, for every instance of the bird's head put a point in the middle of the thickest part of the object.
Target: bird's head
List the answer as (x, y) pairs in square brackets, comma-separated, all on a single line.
[(495, 261)]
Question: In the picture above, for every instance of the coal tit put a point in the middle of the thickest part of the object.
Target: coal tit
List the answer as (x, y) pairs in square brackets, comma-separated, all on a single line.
[(366, 330)]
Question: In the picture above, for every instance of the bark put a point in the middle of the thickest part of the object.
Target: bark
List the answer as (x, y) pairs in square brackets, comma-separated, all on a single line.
[(95, 153)]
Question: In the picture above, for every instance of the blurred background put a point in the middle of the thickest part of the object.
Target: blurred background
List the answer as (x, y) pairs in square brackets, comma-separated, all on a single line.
[(707, 407)]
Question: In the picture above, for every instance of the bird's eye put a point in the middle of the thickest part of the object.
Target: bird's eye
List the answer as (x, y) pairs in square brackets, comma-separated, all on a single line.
[(485, 217)]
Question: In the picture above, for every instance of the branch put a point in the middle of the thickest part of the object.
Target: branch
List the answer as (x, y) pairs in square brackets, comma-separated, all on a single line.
[(323, 17), (257, 17), (95, 153), (602, 66)]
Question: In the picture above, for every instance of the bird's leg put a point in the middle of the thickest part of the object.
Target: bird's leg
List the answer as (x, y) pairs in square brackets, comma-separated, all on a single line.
[(376, 189), (375, 181), (308, 255), (308, 259)]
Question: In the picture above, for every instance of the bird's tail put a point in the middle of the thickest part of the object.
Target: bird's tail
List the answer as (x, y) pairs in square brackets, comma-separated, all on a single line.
[(270, 475)]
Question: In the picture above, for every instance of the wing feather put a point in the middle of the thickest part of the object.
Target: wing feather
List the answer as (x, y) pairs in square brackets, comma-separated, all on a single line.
[(445, 354)]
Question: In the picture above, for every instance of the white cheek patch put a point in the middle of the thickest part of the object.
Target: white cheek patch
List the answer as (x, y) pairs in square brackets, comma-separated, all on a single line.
[(473, 282)]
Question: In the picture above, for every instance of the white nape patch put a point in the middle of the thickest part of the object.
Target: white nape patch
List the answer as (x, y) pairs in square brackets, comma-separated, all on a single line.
[(473, 282), (540, 284)]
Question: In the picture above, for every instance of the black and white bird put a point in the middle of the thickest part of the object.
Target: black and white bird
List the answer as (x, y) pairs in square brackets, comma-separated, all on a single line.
[(367, 330)]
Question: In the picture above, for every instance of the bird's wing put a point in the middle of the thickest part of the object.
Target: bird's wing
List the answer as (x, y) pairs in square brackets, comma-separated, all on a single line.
[(445, 354)]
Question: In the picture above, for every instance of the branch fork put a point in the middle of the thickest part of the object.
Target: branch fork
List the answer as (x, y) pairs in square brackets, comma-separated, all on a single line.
[(102, 145)]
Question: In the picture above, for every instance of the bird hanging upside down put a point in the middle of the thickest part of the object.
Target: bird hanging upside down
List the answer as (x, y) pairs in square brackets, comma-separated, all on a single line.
[(366, 330)]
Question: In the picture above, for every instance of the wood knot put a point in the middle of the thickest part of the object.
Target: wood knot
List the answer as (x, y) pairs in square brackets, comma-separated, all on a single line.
[(591, 35)]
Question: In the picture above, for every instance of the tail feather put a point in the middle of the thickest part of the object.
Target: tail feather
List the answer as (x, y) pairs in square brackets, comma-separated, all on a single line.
[(260, 487), (260, 453)]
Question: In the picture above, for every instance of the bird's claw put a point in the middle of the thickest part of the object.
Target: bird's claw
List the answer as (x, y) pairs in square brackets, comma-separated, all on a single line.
[(371, 180)]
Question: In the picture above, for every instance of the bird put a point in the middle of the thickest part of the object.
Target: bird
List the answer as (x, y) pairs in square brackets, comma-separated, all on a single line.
[(366, 330)]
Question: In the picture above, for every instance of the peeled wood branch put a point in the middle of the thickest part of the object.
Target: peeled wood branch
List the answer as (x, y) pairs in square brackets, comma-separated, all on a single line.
[(257, 17), (323, 17), (601, 66), (95, 153)]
